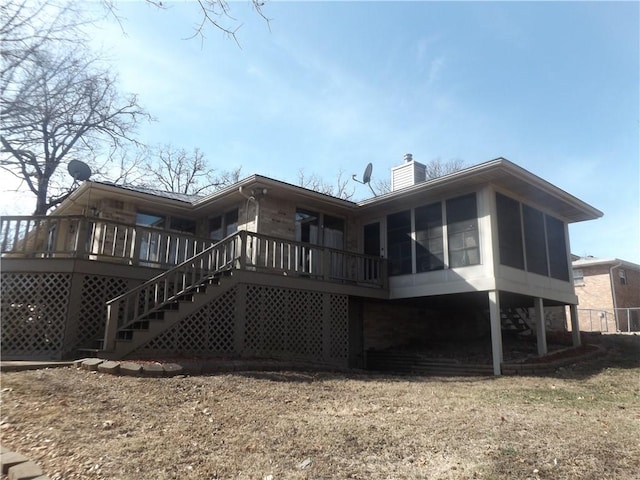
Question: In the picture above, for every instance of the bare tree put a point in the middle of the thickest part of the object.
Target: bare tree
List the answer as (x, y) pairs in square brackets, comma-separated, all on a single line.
[(177, 170), (27, 26), (217, 13), (439, 168), (57, 108), (213, 13), (382, 185), (339, 189)]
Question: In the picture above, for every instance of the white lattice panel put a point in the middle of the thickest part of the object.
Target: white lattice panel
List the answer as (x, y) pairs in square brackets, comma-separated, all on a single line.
[(34, 312)]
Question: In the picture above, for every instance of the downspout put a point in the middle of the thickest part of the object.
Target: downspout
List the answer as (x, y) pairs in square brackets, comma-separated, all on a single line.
[(255, 198), (613, 293), (250, 198)]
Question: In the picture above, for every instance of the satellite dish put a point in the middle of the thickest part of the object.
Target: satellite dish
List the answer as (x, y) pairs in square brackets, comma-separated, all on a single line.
[(366, 177), (80, 171)]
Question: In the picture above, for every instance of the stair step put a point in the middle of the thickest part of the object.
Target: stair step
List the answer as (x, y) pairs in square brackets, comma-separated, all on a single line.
[(140, 325), (185, 297), (157, 315), (125, 334)]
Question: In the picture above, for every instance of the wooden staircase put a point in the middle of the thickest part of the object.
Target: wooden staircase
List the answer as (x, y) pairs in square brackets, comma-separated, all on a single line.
[(140, 315), (147, 327), (515, 321)]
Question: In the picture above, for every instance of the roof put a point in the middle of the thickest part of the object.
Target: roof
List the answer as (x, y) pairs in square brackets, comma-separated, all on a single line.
[(503, 174), (182, 197), (605, 261)]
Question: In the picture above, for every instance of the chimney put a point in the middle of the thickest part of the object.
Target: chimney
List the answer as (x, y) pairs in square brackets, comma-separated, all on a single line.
[(407, 174)]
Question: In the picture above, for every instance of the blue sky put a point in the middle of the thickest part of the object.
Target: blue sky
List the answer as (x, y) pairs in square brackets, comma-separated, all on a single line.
[(330, 86)]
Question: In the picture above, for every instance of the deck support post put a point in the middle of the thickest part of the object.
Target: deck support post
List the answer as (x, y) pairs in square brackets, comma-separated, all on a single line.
[(541, 333), (575, 325), (496, 331)]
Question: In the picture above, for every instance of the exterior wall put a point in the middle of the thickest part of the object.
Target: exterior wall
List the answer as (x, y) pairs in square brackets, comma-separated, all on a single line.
[(627, 296), (596, 307), (595, 293), (395, 325), (117, 210), (277, 218)]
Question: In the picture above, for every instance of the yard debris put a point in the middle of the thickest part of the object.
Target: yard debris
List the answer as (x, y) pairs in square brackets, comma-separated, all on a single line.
[(305, 463)]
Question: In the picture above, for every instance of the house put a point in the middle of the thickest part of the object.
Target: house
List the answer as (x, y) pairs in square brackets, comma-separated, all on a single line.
[(268, 269), (608, 291)]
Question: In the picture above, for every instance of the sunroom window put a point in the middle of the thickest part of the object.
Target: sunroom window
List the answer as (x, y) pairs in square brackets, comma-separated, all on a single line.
[(399, 242), (462, 231), (429, 239)]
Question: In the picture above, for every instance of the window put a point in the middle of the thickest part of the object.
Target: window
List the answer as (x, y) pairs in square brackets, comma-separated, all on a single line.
[(557, 248), (535, 240), (462, 231), (150, 242), (622, 275), (578, 277), (333, 232), (185, 225), (509, 232), (150, 220), (307, 225), (429, 239), (222, 226), (399, 243), (230, 222)]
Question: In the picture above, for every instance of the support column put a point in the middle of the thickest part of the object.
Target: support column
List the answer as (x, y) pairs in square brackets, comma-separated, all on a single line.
[(496, 331), (541, 331), (575, 325)]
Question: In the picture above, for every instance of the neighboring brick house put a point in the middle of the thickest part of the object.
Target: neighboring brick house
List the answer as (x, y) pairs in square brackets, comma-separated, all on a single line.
[(608, 291)]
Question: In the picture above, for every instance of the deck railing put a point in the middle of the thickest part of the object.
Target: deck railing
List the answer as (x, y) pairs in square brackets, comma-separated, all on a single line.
[(244, 251), (95, 239)]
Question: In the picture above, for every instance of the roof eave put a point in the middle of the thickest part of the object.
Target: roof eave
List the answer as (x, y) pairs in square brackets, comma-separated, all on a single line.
[(582, 210)]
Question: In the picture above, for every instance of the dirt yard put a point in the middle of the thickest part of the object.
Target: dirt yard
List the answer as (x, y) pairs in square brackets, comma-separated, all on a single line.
[(582, 422)]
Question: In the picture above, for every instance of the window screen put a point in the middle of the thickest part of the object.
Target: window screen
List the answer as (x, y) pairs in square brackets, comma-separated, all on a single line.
[(462, 231), (535, 240), (429, 240), (509, 232), (557, 246), (399, 243)]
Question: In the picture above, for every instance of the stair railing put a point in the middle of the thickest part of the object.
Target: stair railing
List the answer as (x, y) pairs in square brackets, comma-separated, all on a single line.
[(163, 289)]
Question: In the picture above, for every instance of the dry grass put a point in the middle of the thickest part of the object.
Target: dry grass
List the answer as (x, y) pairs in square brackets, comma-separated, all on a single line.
[(581, 423)]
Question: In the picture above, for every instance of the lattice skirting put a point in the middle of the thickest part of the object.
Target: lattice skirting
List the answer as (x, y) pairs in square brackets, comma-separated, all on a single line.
[(209, 331), (261, 321), (48, 316), (34, 313)]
